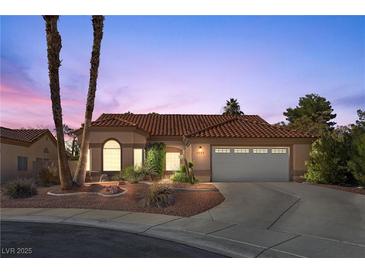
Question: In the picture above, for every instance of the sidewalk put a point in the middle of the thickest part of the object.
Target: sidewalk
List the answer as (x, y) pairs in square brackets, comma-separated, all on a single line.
[(196, 232)]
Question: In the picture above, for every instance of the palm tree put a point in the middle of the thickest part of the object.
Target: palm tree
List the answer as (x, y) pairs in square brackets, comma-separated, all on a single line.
[(232, 107), (54, 46), (98, 24)]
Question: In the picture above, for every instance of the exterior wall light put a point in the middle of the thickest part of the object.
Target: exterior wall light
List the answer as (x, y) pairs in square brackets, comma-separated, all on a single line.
[(200, 149)]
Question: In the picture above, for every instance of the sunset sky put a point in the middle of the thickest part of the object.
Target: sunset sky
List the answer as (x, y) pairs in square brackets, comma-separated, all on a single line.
[(184, 65)]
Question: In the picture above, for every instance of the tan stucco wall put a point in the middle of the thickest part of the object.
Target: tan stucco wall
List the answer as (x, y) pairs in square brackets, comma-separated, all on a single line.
[(123, 137), (127, 157), (300, 156), (201, 159), (9, 157)]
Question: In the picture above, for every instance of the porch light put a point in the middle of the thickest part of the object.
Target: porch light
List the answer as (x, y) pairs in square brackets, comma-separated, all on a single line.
[(200, 149)]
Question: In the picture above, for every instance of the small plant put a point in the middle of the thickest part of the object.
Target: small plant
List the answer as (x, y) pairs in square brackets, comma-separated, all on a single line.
[(133, 175), (47, 177), (117, 177), (159, 195), (21, 188), (181, 176)]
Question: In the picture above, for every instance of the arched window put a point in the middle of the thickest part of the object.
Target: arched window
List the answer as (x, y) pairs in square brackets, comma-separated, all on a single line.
[(111, 156)]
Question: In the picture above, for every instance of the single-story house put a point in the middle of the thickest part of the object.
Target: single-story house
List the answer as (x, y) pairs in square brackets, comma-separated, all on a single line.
[(221, 147), (25, 151)]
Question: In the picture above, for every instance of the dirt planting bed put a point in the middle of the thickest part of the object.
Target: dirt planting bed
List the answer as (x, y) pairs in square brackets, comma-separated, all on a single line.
[(187, 203)]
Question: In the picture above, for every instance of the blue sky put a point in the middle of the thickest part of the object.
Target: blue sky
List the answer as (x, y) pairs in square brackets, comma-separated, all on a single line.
[(185, 64)]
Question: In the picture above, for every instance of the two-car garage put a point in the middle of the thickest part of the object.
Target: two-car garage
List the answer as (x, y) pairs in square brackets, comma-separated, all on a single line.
[(250, 164)]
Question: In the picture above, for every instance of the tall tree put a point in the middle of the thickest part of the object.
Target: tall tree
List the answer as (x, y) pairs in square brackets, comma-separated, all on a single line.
[(232, 107), (54, 46), (98, 24), (356, 163), (313, 115)]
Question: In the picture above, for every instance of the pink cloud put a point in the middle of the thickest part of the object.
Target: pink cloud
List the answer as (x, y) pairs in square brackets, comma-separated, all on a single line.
[(23, 107)]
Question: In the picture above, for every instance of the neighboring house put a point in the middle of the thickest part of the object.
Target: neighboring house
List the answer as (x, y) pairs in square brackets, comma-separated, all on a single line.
[(221, 147), (25, 151)]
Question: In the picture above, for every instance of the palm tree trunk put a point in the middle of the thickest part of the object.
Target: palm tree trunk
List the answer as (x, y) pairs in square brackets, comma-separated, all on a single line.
[(53, 53), (98, 24)]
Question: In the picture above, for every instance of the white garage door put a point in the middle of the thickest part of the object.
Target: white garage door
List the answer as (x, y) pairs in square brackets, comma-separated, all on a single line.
[(250, 164)]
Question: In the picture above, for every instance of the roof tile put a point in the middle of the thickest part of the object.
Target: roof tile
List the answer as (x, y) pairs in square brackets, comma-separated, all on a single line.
[(199, 125)]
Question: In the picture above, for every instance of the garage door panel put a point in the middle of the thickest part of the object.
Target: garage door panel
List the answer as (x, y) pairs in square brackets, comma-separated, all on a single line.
[(250, 166)]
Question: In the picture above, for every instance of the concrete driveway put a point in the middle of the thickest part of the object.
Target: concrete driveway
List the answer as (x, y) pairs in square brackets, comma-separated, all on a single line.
[(317, 221)]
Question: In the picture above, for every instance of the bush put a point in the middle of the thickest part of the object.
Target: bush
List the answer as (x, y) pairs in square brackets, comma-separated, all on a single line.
[(328, 159), (356, 163), (159, 195), (132, 174), (155, 158), (48, 177), (21, 188), (181, 177)]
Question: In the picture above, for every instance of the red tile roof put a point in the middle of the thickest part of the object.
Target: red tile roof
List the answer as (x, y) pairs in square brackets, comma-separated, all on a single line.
[(242, 128), (22, 135), (198, 125)]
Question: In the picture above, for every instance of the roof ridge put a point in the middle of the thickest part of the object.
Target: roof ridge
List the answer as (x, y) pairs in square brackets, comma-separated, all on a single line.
[(212, 126), (293, 130)]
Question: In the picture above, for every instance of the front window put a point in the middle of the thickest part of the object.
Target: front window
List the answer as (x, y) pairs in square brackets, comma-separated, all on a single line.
[(88, 163), (172, 161), (22, 163), (138, 157), (111, 156)]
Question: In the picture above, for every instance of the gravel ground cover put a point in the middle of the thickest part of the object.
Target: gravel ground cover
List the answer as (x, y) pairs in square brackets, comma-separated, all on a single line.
[(187, 203)]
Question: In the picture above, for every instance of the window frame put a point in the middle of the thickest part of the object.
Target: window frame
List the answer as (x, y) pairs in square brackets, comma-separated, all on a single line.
[(279, 150), (179, 155), (120, 155), (134, 157), (22, 163), (260, 150), (222, 150), (88, 159), (241, 150)]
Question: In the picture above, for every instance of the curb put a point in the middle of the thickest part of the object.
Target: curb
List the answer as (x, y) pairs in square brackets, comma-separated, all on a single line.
[(88, 193)]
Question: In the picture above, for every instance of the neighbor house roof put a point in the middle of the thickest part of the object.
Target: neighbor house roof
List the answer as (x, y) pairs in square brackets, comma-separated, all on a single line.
[(198, 125), (23, 135)]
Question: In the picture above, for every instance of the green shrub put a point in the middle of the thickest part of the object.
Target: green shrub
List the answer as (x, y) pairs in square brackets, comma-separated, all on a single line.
[(117, 177), (155, 158), (181, 177), (328, 159), (149, 171), (159, 195), (47, 177), (356, 162), (132, 174), (21, 188)]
